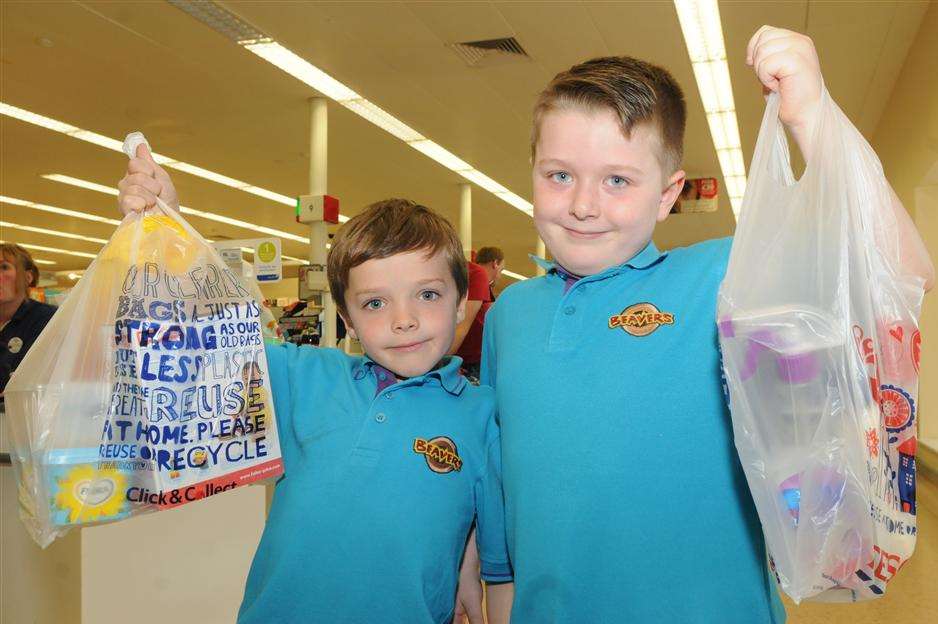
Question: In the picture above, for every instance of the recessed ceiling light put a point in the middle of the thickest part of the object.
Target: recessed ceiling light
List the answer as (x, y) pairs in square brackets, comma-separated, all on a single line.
[(703, 34)]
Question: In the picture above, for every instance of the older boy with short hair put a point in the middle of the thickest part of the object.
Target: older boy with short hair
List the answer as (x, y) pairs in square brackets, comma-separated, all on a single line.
[(625, 500)]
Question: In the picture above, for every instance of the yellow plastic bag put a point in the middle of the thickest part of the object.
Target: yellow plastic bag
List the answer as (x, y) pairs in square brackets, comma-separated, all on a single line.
[(147, 390)]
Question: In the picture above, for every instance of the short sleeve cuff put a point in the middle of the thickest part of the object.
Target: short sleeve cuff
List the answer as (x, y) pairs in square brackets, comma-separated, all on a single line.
[(496, 572)]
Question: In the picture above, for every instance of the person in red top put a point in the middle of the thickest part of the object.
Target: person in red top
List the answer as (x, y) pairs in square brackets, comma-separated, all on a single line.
[(467, 344)]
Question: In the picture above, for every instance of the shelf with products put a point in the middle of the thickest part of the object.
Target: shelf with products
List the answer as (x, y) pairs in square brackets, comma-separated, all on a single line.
[(300, 322)]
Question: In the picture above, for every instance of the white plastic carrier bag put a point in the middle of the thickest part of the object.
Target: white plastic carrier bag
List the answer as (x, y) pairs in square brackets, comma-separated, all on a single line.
[(819, 335), (148, 389)]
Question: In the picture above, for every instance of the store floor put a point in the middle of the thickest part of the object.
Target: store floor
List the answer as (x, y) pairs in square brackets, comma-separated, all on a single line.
[(912, 596)]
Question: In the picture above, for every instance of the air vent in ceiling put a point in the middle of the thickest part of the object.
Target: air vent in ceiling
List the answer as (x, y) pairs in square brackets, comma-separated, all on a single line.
[(481, 53)]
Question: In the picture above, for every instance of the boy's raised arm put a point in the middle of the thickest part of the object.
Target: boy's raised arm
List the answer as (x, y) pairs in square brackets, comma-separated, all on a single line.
[(786, 62)]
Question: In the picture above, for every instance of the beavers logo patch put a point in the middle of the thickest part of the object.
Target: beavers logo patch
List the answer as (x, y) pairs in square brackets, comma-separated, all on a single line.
[(641, 319), (440, 453)]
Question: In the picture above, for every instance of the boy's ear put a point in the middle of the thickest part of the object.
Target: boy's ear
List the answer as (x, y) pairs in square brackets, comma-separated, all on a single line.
[(461, 308), (348, 326), (670, 194)]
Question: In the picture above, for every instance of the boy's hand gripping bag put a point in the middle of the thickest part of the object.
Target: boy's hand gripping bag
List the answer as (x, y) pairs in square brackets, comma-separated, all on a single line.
[(820, 341), (147, 390)]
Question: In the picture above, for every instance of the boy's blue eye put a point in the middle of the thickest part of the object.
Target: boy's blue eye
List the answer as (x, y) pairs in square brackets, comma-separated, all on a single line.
[(373, 304), (561, 177), (429, 295), (618, 181)]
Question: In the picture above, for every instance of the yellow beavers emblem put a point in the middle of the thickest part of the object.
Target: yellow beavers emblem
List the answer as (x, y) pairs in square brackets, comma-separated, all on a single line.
[(440, 453), (641, 319)]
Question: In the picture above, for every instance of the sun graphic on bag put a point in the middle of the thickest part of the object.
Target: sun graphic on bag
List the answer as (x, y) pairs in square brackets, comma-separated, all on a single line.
[(91, 495), (164, 240)]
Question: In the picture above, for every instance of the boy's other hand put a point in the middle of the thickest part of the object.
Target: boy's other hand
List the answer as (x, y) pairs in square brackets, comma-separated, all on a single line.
[(787, 63), (468, 600), (143, 183), (469, 591)]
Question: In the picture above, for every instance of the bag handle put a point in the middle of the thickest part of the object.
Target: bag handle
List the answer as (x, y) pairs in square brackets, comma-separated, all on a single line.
[(131, 142), (771, 156)]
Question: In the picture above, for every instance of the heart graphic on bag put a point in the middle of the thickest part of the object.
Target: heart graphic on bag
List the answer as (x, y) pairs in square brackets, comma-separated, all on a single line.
[(94, 493)]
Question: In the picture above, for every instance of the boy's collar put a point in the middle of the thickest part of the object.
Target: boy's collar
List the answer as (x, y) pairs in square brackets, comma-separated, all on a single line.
[(649, 256), (446, 373)]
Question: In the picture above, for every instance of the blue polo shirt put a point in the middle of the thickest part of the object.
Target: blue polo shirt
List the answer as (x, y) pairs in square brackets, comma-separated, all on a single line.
[(625, 500), (382, 483)]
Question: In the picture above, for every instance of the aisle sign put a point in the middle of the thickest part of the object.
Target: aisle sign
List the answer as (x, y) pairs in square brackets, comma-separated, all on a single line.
[(267, 262)]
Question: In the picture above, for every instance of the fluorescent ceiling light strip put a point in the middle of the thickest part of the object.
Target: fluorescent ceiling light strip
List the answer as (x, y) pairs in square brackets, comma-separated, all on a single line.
[(242, 224), (731, 161), (299, 68), (513, 275), (277, 197), (163, 160), (713, 82), (55, 177), (55, 250), (440, 155), (85, 184), (723, 130), (38, 230), (89, 217), (62, 211), (97, 139), (735, 185), (703, 35), (39, 120), (384, 120), (302, 70), (518, 202), (490, 185), (100, 241), (41, 261), (208, 175), (706, 86)]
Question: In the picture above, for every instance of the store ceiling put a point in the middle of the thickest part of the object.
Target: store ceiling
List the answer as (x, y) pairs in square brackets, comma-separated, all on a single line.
[(114, 67)]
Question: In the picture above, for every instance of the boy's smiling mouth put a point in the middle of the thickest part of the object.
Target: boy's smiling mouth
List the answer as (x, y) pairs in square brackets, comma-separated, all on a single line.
[(409, 347), (581, 234)]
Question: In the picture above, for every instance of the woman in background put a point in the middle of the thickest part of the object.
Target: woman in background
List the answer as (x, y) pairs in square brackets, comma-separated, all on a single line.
[(21, 318)]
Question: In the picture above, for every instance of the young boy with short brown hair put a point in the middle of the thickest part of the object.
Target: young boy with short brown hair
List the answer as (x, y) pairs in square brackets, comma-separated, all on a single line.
[(390, 457)]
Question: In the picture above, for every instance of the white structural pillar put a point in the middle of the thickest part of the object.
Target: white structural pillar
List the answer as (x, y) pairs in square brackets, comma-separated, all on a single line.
[(319, 233), (465, 219), (541, 252)]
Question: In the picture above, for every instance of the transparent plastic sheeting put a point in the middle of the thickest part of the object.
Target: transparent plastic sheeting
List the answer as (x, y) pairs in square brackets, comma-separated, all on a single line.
[(819, 332), (149, 387)]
